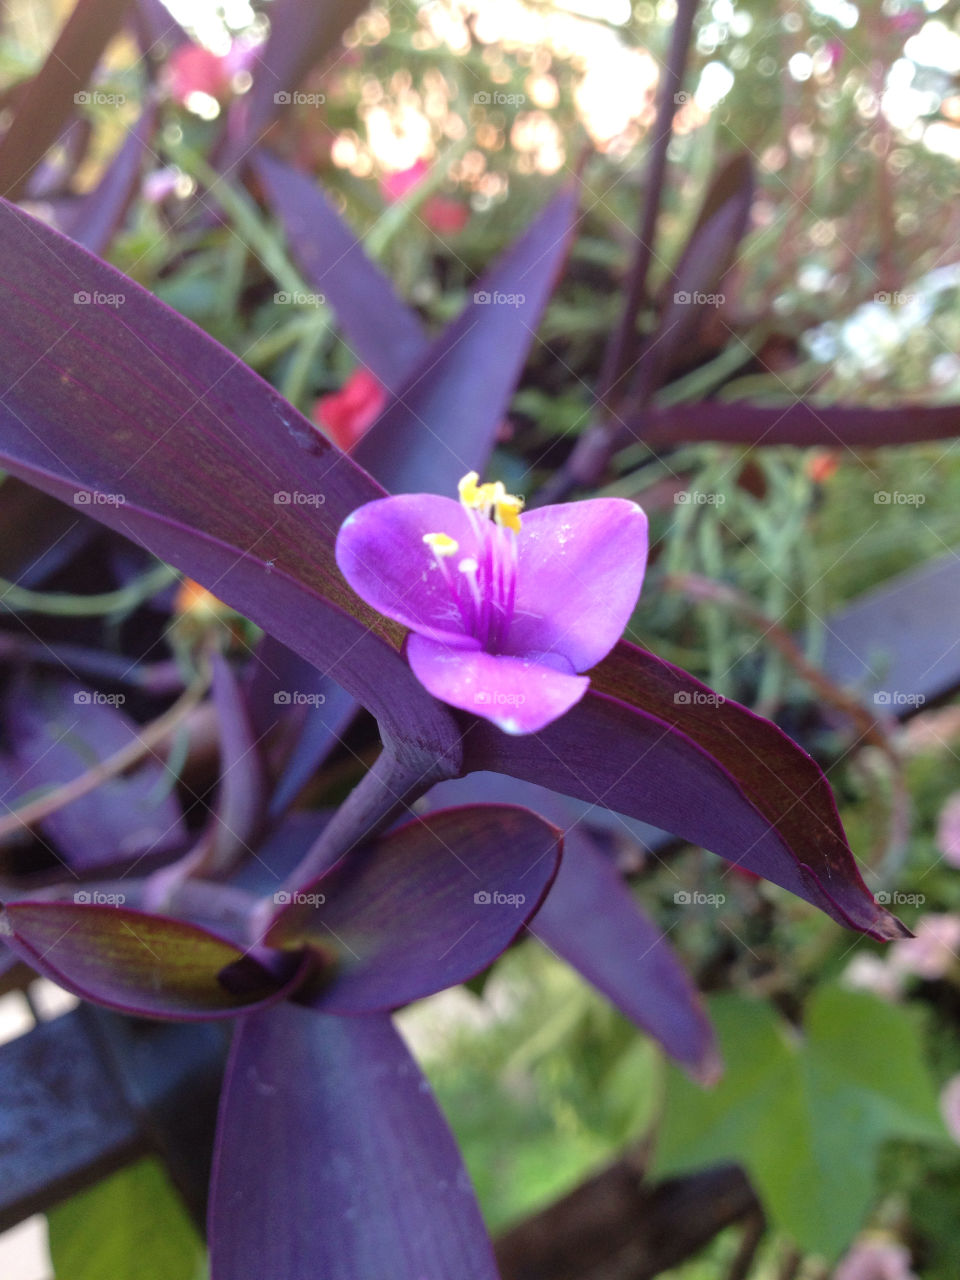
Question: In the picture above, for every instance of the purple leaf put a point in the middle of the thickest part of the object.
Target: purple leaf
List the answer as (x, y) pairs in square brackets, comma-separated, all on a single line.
[(95, 217), (105, 399), (425, 907), (617, 354), (48, 102), (800, 423), (302, 34), (384, 332), (143, 964), (445, 418), (592, 920), (372, 1185), (241, 794), (58, 731), (650, 741), (707, 256)]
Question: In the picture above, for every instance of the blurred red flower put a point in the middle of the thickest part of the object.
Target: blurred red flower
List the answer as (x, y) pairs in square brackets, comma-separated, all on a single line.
[(345, 415)]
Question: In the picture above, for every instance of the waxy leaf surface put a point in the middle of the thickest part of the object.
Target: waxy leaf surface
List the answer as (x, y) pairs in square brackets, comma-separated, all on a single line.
[(142, 964), (425, 907), (650, 741), (105, 392), (334, 1161)]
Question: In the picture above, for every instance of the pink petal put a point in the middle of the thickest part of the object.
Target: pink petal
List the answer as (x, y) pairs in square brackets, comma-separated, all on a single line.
[(381, 553), (580, 572), (519, 695)]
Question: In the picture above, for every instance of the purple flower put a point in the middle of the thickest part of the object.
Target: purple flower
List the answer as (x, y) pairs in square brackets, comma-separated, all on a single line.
[(505, 611)]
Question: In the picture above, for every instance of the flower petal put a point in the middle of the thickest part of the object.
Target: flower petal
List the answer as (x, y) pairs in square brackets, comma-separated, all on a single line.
[(518, 694), (580, 570), (381, 553)]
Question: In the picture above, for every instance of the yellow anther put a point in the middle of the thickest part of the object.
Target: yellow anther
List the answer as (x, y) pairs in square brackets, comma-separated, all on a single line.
[(492, 499), (469, 490), (507, 511), (441, 544)]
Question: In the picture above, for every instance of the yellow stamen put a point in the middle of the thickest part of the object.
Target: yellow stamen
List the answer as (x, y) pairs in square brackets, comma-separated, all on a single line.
[(441, 544), (507, 511), (469, 490), (492, 499)]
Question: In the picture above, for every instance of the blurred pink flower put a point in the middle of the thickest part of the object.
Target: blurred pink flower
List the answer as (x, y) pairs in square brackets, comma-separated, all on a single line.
[(948, 830), (933, 952), (193, 69), (950, 1107), (345, 415), (875, 1260), (394, 186), (442, 214)]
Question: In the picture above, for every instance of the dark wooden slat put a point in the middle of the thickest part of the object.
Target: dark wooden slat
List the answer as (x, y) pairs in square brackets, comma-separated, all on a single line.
[(617, 1227), (63, 1121)]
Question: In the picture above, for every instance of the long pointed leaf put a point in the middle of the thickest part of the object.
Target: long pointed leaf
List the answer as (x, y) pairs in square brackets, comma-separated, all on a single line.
[(444, 421), (650, 741), (370, 1186), (383, 331)]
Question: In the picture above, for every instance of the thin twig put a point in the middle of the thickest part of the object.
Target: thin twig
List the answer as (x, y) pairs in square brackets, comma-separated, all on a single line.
[(145, 743)]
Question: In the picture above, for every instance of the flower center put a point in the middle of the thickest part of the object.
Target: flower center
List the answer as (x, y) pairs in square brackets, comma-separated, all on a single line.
[(484, 587)]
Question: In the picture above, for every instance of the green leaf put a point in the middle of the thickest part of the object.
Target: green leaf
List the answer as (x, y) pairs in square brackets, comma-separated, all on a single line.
[(131, 1226), (806, 1114)]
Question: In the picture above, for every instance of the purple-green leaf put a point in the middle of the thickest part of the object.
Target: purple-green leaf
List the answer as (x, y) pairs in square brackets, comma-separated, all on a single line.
[(146, 965), (650, 741), (425, 907), (105, 391), (334, 1161)]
